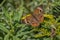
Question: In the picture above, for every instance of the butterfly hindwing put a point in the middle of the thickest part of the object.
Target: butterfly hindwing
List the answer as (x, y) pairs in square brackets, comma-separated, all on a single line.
[(30, 20)]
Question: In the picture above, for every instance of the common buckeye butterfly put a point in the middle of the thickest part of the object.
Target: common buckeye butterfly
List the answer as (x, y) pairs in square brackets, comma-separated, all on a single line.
[(34, 19)]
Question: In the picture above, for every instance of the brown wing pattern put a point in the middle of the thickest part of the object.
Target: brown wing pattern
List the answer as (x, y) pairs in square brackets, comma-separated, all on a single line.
[(38, 13), (35, 18)]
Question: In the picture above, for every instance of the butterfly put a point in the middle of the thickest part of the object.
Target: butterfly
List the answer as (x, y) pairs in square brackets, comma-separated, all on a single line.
[(35, 18)]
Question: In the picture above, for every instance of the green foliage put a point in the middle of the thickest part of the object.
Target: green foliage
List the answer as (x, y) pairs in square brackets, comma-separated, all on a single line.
[(11, 12)]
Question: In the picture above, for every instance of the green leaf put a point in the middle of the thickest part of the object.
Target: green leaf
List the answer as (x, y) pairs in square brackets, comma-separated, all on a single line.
[(1, 38), (22, 33), (6, 13), (15, 38), (3, 28), (18, 15), (20, 25), (46, 38), (7, 36), (58, 36)]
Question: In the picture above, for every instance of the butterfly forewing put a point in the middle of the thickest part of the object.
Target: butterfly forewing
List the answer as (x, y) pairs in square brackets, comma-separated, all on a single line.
[(38, 14)]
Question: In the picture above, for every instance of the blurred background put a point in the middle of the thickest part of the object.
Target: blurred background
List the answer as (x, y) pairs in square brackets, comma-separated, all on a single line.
[(11, 12)]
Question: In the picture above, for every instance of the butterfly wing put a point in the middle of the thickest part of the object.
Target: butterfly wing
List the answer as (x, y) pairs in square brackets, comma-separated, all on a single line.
[(38, 14), (35, 18), (30, 20)]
